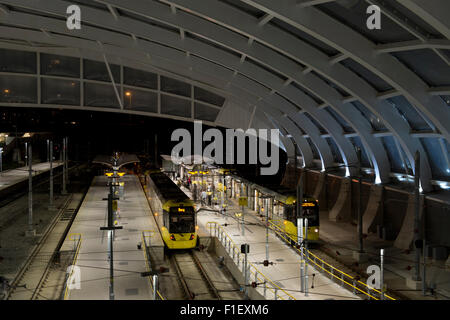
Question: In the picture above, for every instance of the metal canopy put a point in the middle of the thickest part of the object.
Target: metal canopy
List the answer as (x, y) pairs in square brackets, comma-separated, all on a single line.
[(302, 66)]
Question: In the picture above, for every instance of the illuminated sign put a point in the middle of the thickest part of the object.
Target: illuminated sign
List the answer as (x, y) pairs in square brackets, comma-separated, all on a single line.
[(308, 204), (243, 201), (181, 209)]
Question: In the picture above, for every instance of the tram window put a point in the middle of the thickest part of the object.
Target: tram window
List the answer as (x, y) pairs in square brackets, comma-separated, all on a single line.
[(289, 213), (312, 215), (165, 218), (181, 224)]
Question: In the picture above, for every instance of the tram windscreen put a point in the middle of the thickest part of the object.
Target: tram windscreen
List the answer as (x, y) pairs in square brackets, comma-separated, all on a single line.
[(181, 222), (311, 213)]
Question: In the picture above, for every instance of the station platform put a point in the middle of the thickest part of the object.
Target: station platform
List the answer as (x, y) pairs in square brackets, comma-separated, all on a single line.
[(285, 271), (9, 178), (339, 246), (92, 258)]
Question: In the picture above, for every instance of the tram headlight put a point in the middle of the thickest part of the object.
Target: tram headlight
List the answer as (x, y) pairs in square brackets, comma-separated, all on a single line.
[(172, 237), (316, 230), (191, 237)]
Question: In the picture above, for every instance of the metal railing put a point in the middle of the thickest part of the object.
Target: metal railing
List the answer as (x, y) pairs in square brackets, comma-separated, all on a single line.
[(146, 247), (334, 273), (76, 238), (270, 289)]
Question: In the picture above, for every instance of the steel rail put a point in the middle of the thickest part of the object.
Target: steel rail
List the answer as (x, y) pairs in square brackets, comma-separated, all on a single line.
[(34, 254)]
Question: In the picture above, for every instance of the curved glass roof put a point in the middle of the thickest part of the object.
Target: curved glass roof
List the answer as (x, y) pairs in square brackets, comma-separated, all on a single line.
[(313, 67)]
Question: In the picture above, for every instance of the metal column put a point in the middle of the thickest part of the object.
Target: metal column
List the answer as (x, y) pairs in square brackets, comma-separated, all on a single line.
[(64, 191), (416, 214), (26, 154), (30, 191), (300, 228), (300, 242), (50, 206), (67, 161), (155, 287), (48, 150), (306, 258), (267, 235), (382, 273), (1, 160), (360, 217)]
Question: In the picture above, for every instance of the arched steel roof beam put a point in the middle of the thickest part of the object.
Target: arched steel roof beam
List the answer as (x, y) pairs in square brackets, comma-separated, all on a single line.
[(271, 59), (89, 32), (366, 146), (296, 49), (373, 146), (434, 12), (356, 46), (183, 66)]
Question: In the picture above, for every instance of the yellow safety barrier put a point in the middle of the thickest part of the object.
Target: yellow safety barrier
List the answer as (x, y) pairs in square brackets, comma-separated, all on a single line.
[(258, 275), (77, 250), (147, 267), (336, 273)]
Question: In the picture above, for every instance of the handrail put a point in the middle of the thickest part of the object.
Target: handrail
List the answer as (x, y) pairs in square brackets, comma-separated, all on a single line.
[(147, 258), (256, 272), (315, 259), (72, 238)]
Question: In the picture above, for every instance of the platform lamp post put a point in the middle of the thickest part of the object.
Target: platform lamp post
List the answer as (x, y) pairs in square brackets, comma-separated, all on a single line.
[(267, 235), (156, 148), (48, 150), (245, 249), (300, 228), (417, 215), (30, 231), (129, 95), (67, 160), (306, 257), (382, 273), (223, 192), (64, 191), (360, 217), (110, 228), (26, 154), (1, 160), (51, 206), (243, 219)]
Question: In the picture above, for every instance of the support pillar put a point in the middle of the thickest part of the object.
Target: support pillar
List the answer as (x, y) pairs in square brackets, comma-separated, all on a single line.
[(31, 232), (50, 205)]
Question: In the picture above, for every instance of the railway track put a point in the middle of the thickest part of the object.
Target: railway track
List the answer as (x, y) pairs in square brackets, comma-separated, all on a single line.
[(193, 278), (32, 278)]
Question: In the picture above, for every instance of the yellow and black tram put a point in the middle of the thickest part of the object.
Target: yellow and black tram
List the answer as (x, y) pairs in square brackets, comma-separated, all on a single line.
[(310, 210), (174, 212)]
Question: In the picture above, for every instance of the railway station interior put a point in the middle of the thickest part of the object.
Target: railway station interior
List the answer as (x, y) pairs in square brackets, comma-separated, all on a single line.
[(225, 150)]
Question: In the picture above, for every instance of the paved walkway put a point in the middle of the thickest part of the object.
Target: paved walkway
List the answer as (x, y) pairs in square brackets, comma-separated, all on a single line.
[(129, 262), (11, 177)]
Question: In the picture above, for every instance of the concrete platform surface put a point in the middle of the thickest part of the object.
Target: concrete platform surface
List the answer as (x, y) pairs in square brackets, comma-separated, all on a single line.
[(11, 177), (285, 271), (93, 260)]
